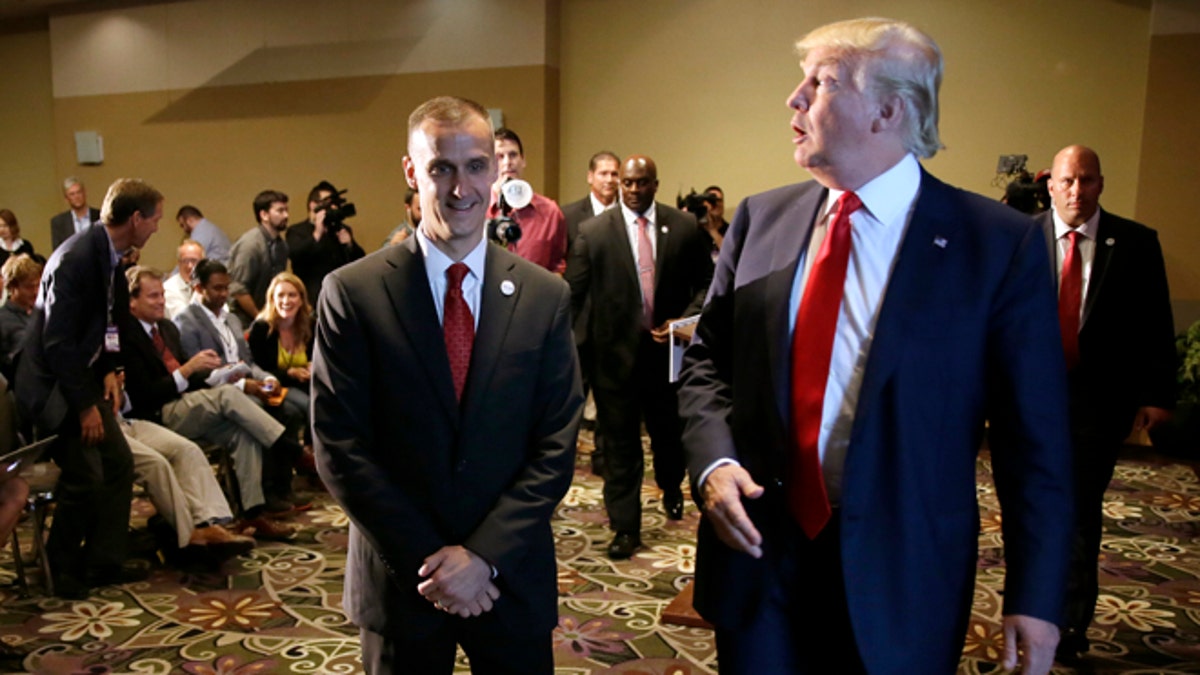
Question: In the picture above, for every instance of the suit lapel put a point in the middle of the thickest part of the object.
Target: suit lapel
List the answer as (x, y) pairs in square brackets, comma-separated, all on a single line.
[(1047, 221), (496, 309), (1106, 245), (616, 229), (917, 275), (662, 239), (408, 288), (796, 224)]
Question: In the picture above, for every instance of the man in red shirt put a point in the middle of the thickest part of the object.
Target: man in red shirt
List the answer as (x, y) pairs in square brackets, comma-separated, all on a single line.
[(543, 230)]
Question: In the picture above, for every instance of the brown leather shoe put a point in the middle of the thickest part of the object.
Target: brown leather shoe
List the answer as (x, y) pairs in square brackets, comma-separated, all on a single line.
[(267, 528)]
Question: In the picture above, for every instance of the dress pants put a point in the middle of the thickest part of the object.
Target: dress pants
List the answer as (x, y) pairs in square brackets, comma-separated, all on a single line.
[(489, 646), (178, 477), (803, 623), (226, 416), (1095, 460), (90, 531), (619, 415)]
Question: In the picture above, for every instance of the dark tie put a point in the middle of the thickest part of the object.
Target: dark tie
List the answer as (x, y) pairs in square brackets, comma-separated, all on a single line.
[(458, 326), (168, 358), (812, 349), (1070, 295), (646, 272)]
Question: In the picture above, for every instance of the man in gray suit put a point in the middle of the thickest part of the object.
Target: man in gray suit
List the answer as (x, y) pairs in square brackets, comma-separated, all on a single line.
[(446, 403), (77, 218)]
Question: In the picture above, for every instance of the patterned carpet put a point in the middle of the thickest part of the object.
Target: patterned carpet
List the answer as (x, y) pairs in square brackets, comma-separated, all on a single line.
[(276, 610)]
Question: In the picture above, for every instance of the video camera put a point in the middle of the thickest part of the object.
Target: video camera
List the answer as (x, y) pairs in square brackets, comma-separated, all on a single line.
[(696, 203), (514, 194), (337, 210)]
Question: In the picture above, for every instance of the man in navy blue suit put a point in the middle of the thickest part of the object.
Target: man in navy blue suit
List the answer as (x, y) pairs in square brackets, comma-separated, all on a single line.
[(859, 331)]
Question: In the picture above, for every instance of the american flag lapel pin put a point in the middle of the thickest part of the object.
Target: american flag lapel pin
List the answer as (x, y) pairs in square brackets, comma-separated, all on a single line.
[(939, 241)]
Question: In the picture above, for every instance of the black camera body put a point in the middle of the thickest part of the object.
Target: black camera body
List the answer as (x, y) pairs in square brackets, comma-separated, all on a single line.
[(503, 230), (337, 210), (696, 203)]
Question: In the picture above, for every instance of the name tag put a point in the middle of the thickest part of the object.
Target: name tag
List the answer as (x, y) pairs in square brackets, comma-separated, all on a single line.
[(112, 340)]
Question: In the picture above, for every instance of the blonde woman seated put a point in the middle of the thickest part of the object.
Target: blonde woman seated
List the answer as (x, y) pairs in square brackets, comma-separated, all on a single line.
[(281, 338)]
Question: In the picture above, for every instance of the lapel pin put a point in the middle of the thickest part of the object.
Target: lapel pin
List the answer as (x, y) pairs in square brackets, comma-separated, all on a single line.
[(1110, 241), (507, 287), (664, 229), (939, 242)]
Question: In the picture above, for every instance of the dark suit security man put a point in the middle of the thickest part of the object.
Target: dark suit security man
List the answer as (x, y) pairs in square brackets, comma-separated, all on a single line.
[(1118, 337), (66, 382), (78, 216), (860, 329), (635, 269), (446, 402)]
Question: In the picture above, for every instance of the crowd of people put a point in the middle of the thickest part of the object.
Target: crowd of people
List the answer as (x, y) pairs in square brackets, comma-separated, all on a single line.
[(855, 333)]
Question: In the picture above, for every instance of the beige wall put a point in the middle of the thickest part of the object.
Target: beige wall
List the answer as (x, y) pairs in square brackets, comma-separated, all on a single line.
[(28, 177), (1170, 165), (219, 146), (649, 77)]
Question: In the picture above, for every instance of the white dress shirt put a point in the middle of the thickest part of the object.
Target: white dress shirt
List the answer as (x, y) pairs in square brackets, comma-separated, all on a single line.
[(436, 264), (597, 206), (876, 232), (82, 222), (1087, 249)]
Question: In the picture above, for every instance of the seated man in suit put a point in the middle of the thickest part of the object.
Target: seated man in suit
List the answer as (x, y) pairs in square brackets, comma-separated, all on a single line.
[(207, 323), (78, 216), (178, 286), (166, 390)]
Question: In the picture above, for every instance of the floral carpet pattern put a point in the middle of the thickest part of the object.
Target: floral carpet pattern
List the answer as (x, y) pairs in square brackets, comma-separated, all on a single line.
[(277, 609)]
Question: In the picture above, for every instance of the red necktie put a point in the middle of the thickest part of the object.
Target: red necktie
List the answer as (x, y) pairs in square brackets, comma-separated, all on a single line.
[(458, 326), (168, 358), (812, 349), (1070, 294), (646, 272)]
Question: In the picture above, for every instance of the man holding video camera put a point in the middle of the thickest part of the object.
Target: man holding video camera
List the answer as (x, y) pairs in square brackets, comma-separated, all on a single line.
[(324, 242), (540, 232)]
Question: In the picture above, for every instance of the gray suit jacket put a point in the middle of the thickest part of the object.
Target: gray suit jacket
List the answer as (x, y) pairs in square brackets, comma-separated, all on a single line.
[(62, 226), (197, 332), (417, 470)]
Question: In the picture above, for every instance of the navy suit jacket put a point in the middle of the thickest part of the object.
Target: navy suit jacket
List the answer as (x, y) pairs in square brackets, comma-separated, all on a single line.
[(1127, 335), (967, 331), (55, 371), (62, 226), (417, 470)]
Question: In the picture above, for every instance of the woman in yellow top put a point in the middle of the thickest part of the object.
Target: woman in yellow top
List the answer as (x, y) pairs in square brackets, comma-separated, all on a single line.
[(281, 338)]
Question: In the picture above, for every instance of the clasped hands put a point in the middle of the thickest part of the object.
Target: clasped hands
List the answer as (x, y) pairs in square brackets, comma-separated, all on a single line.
[(457, 581)]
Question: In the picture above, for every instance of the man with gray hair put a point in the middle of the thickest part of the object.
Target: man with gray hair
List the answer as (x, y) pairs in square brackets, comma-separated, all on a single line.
[(78, 216), (860, 329)]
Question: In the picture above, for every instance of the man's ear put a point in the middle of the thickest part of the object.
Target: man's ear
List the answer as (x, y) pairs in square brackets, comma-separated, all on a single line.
[(889, 113), (410, 172)]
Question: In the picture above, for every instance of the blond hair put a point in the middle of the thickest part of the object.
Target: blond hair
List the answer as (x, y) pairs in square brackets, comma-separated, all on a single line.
[(302, 325)]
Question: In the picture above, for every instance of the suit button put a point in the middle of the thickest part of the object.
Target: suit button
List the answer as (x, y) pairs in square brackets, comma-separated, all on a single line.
[(462, 464), (778, 483)]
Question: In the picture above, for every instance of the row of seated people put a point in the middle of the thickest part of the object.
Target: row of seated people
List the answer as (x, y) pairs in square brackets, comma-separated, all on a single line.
[(197, 382)]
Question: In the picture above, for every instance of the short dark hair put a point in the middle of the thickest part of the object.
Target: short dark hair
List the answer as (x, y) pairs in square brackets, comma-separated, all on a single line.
[(206, 268), (265, 199), (506, 134), (445, 110), (409, 196), (603, 154), (314, 195), (710, 188), (134, 276), (189, 211), (127, 196)]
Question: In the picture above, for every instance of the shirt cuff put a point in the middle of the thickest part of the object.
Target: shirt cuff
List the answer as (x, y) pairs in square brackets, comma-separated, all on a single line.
[(711, 467), (181, 383)]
